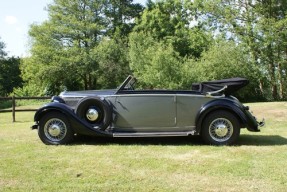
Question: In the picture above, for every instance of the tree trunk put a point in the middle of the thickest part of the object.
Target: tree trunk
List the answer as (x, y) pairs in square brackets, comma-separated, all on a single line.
[(272, 72), (261, 86), (273, 81), (86, 82), (90, 81), (280, 80)]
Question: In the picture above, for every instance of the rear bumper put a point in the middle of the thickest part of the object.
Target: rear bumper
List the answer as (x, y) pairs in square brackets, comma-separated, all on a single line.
[(261, 123), (252, 123)]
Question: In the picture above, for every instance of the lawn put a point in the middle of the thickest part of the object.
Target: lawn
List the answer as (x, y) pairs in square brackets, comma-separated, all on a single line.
[(257, 163)]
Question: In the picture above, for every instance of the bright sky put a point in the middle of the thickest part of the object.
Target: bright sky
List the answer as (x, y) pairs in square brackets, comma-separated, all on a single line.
[(15, 18)]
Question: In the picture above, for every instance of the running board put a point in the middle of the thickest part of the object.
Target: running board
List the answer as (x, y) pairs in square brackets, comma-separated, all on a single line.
[(154, 134)]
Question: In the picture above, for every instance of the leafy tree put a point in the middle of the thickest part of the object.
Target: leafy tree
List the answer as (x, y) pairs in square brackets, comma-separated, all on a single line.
[(121, 15), (112, 57), (9, 75), (258, 25), (156, 64), (272, 27), (227, 60), (9, 72), (64, 47), (164, 38), (2, 51), (175, 23)]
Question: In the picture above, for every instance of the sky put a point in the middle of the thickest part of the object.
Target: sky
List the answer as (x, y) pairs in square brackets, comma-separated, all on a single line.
[(16, 16)]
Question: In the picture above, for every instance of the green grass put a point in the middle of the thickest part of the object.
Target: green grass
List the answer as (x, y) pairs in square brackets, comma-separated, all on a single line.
[(257, 163)]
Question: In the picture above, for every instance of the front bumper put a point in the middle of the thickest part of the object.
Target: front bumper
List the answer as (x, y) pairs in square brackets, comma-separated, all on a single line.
[(34, 126)]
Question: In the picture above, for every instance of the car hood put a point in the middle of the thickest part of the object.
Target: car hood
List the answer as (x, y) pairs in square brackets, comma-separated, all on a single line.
[(87, 93)]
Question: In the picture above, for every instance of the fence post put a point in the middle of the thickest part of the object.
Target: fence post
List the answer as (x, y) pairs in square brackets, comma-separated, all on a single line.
[(13, 108)]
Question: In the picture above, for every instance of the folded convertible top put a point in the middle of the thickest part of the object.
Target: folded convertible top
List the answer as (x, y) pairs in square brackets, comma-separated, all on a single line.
[(233, 85)]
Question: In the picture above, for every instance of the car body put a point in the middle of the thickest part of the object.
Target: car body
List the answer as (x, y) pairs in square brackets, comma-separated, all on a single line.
[(208, 110)]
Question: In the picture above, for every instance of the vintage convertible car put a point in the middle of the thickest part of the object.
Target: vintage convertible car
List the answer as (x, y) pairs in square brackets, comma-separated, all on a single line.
[(207, 110)]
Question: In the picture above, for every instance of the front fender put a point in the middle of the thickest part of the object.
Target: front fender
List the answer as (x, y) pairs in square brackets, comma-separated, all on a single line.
[(78, 125), (228, 104), (53, 106)]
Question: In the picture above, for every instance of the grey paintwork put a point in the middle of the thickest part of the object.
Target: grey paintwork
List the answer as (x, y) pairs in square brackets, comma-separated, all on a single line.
[(125, 112), (158, 110), (148, 112)]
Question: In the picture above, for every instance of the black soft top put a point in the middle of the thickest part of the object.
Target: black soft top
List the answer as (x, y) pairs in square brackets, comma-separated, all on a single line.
[(232, 85)]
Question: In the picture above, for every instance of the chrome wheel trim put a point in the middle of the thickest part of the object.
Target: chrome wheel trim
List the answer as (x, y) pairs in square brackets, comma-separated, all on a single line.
[(92, 114), (55, 129), (220, 129)]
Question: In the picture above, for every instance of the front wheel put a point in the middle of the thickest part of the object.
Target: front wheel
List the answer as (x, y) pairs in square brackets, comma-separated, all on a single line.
[(55, 129), (220, 128)]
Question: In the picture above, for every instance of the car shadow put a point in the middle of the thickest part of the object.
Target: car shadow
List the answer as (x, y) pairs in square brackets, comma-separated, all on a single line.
[(89, 140), (248, 140), (262, 140)]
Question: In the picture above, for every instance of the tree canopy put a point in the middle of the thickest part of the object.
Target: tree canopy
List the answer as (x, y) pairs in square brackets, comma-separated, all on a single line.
[(169, 44), (9, 72), (2, 51), (68, 43)]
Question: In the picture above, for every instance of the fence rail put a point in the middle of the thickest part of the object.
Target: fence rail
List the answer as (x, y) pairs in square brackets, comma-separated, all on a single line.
[(14, 110)]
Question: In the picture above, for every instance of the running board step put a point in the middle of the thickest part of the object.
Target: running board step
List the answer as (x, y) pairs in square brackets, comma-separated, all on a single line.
[(154, 134)]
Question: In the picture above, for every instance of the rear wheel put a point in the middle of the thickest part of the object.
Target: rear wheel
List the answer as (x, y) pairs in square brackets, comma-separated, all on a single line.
[(55, 129), (220, 128)]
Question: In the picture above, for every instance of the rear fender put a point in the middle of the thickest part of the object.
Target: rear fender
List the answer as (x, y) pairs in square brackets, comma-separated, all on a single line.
[(222, 104), (78, 125)]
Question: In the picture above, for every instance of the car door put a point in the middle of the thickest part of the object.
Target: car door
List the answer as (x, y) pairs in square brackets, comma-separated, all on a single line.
[(188, 106), (145, 112)]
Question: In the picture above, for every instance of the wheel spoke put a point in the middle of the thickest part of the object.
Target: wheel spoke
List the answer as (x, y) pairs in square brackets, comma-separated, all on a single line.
[(221, 129), (55, 129)]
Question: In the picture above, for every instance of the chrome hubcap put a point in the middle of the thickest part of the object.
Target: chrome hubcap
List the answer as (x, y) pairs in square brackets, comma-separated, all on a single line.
[(92, 115), (55, 129), (221, 129)]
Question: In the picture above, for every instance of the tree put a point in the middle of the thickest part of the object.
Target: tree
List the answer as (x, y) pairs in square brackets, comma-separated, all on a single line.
[(175, 23), (272, 27), (121, 15), (63, 48), (9, 72), (156, 64), (258, 25), (10, 75), (227, 60), (112, 57), (165, 36), (2, 51)]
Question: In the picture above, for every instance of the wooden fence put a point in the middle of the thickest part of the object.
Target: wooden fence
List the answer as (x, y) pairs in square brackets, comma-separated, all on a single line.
[(14, 110)]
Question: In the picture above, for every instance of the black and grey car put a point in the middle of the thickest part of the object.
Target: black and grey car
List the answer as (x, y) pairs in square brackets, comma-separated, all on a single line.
[(208, 110)]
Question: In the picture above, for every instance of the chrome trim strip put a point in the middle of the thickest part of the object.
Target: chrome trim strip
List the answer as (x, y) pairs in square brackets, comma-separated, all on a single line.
[(155, 134), (140, 95), (189, 128), (157, 95)]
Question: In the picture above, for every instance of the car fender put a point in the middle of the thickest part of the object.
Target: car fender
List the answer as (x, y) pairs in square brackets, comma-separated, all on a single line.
[(79, 126), (221, 104)]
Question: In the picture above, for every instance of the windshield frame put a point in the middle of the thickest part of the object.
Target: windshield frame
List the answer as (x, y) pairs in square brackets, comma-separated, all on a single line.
[(128, 84)]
